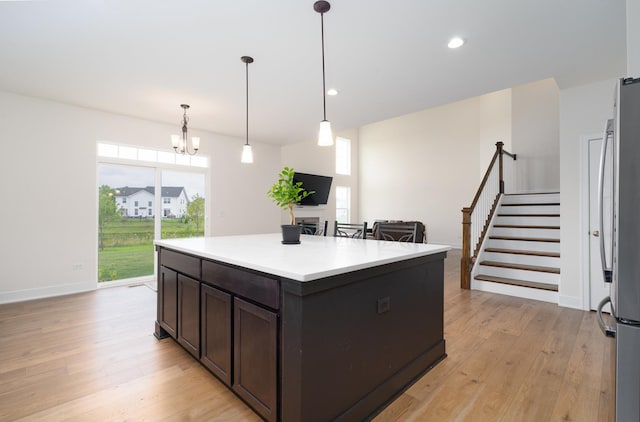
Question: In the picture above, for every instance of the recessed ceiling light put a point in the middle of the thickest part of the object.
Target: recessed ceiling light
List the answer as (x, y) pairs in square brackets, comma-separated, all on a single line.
[(455, 42), (332, 92)]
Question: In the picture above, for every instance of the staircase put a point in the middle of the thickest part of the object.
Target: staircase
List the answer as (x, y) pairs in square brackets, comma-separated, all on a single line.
[(520, 255)]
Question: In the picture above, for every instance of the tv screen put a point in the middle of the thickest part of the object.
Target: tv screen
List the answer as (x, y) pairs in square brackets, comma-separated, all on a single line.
[(312, 182)]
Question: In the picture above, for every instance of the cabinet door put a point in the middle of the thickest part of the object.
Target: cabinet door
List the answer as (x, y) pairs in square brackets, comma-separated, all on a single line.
[(216, 332), (255, 357), (168, 300), (189, 314)]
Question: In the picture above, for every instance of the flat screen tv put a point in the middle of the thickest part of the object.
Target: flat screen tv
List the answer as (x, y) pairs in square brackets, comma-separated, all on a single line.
[(313, 182)]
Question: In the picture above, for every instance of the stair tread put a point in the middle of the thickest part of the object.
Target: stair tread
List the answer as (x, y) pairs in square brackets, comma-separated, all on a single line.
[(521, 267), (518, 226), (528, 215), (515, 282), (519, 252), (531, 204), (534, 193), (527, 239)]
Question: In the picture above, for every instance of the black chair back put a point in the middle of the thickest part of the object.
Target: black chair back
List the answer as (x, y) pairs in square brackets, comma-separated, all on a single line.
[(399, 232), (355, 231), (314, 228)]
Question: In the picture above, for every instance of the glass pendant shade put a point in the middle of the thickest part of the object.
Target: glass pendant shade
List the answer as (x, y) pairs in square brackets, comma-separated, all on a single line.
[(325, 136), (175, 141), (247, 154), (195, 142)]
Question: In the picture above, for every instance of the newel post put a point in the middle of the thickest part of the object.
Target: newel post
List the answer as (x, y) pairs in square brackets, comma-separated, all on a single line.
[(465, 261), (499, 146)]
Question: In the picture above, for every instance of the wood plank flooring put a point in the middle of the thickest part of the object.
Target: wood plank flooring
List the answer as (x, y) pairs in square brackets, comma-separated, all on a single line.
[(92, 357)]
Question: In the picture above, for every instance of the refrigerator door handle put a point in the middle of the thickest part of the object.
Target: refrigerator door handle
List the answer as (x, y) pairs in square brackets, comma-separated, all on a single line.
[(606, 329), (608, 130)]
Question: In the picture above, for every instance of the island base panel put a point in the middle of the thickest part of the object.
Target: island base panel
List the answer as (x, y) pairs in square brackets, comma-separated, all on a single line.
[(349, 350)]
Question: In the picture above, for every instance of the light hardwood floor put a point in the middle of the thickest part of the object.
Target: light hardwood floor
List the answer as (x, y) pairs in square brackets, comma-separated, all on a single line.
[(92, 357)]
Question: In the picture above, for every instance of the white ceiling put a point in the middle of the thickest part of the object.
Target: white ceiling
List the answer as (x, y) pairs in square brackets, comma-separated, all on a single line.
[(143, 58)]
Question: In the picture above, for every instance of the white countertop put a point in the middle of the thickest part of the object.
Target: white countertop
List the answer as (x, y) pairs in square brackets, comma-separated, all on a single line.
[(315, 257)]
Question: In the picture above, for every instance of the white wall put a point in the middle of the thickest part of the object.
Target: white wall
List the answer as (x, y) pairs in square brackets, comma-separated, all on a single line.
[(48, 169), (583, 111), (308, 157), (535, 136), (422, 166), (495, 125), (633, 38)]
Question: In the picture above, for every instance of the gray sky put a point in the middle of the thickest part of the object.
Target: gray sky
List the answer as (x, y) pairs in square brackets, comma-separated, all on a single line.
[(117, 176)]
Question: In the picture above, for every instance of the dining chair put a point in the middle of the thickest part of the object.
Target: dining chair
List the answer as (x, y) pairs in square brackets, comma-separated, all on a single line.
[(399, 232), (353, 230), (314, 228)]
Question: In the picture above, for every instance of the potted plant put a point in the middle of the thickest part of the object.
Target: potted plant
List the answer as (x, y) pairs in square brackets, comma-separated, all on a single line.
[(286, 194)]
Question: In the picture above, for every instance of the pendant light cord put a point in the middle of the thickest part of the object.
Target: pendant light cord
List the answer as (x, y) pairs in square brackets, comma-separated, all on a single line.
[(324, 89), (247, 92)]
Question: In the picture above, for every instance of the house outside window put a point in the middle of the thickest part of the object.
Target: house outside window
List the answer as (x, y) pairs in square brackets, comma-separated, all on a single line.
[(149, 204), (166, 200), (135, 212), (135, 204), (124, 200), (343, 204)]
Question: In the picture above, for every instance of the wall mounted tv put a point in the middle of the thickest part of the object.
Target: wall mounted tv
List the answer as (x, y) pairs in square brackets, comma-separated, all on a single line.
[(313, 182)]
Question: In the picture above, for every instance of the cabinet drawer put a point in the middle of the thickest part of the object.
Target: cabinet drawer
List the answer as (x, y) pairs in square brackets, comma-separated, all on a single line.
[(177, 261), (252, 286)]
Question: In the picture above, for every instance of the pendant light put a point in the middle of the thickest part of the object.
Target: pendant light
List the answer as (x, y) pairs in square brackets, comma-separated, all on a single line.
[(178, 143), (247, 154), (325, 137)]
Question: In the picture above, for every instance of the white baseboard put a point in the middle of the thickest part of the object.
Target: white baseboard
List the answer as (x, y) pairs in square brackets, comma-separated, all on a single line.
[(518, 291), (574, 302), (43, 292)]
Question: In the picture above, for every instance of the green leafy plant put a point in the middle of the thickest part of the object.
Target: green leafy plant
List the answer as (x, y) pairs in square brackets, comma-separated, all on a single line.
[(286, 193)]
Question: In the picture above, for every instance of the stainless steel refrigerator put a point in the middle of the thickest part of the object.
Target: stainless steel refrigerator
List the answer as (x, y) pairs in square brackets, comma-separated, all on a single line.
[(620, 243)]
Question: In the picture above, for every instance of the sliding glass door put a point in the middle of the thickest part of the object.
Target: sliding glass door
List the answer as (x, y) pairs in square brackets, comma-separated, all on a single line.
[(126, 215), (182, 204), (137, 204)]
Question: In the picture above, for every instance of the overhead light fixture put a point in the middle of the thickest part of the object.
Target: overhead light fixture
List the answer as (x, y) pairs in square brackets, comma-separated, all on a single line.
[(247, 154), (179, 144), (332, 92), (325, 137), (455, 42)]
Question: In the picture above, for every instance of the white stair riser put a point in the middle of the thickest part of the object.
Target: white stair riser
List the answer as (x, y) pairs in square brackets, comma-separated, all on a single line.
[(508, 231), (541, 261), (529, 221), (536, 276), (522, 245), (517, 291), (527, 199), (530, 209)]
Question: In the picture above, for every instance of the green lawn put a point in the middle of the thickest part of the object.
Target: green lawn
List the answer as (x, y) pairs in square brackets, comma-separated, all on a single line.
[(128, 246)]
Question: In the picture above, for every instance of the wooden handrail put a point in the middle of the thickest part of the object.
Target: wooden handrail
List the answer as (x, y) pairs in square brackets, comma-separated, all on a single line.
[(484, 182), (514, 156), (467, 258)]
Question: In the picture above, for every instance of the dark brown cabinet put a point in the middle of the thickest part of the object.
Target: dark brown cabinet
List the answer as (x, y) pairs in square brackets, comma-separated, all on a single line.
[(255, 357), (189, 314), (168, 301), (216, 332), (226, 317)]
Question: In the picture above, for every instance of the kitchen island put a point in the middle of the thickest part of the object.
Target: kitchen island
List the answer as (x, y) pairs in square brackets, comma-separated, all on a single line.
[(332, 328)]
